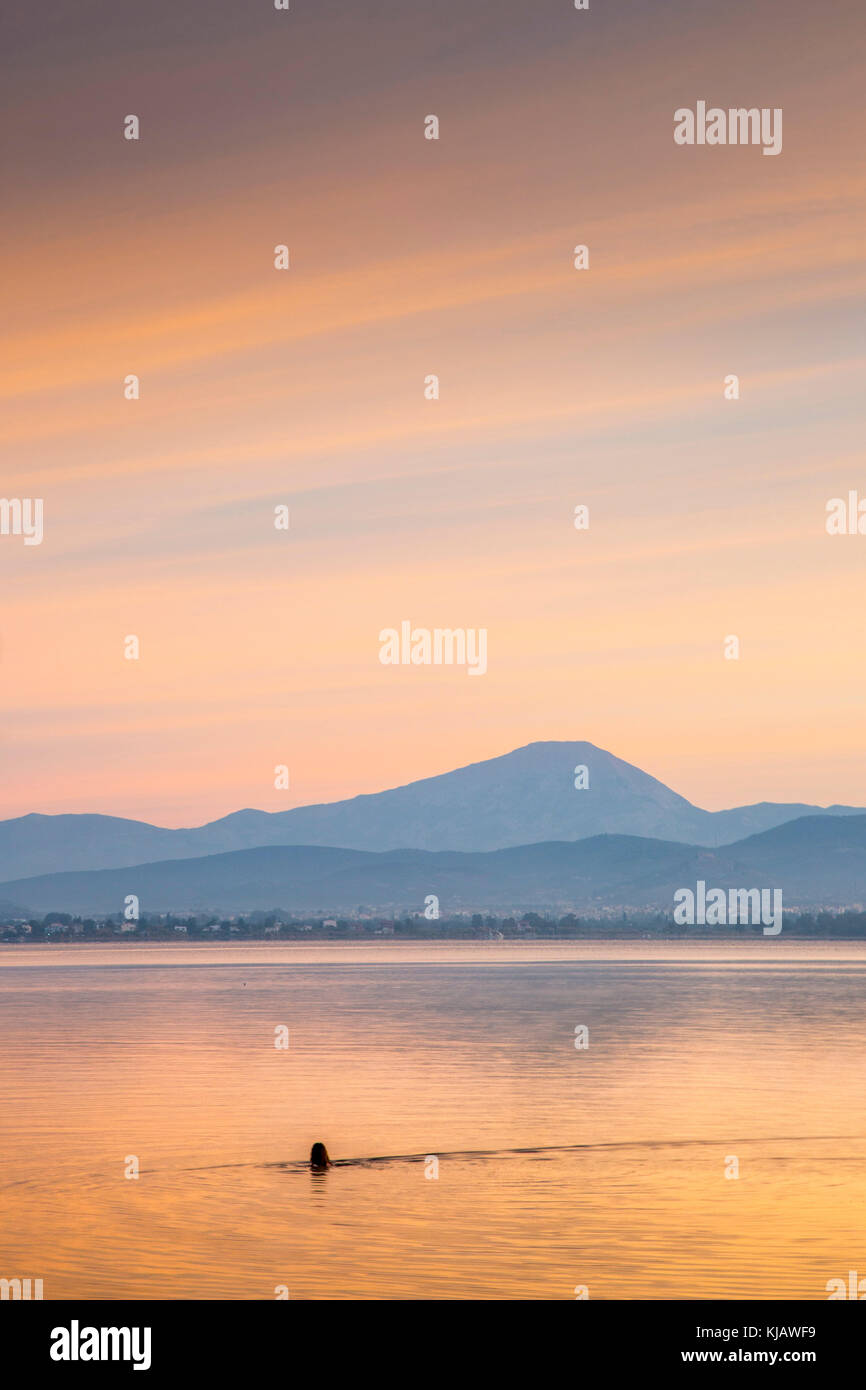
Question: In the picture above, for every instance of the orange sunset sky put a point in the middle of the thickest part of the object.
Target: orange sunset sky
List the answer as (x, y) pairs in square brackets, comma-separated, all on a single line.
[(306, 387)]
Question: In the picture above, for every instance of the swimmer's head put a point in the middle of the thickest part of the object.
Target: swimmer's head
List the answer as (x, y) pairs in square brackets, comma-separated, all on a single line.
[(319, 1157)]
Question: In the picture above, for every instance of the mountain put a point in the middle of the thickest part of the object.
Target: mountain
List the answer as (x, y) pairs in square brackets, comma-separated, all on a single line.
[(524, 797), (816, 861)]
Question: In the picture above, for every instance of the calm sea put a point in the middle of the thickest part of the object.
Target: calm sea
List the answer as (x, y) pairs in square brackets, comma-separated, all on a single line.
[(608, 1167)]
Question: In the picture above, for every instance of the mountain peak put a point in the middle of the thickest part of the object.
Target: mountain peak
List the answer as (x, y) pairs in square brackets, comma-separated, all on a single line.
[(528, 795)]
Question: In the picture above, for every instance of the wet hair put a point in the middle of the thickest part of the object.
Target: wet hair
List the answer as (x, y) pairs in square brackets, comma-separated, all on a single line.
[(319, 1157)]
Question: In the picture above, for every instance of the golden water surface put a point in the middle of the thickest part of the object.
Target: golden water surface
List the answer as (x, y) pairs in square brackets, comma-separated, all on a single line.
[(559, 1168)]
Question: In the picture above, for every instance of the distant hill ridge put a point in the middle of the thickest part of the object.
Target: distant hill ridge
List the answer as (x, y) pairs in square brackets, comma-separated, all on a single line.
[(816, 861), (523, 797)]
